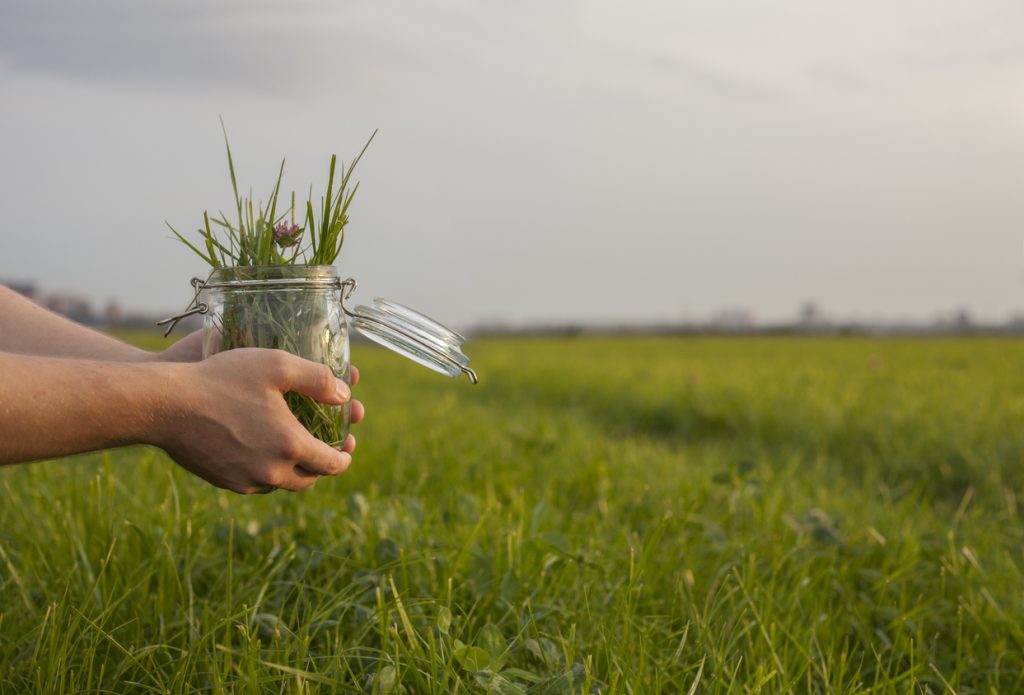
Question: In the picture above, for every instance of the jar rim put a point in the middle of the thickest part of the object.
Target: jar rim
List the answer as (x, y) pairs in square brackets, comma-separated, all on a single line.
[(273, 277), (272, 272)]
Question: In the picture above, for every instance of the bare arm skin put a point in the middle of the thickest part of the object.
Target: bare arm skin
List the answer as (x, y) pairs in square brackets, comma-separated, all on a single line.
[(30, 329), (224, 419), (66, 389)]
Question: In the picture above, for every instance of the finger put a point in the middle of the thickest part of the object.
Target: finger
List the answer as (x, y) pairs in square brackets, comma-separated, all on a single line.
[(350, 445), (295, 480), (305, 472), (192, 344), (312, 379), (249, 489), (297, 483), (322, 459), (358, 412), (188, 349), (353, 375)]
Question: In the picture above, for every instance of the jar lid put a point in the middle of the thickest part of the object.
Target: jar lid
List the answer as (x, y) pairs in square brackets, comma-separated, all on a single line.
[(409, 333)]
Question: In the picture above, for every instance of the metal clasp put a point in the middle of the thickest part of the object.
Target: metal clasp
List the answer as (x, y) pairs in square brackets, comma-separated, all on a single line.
[(195, 307), (347, 287)]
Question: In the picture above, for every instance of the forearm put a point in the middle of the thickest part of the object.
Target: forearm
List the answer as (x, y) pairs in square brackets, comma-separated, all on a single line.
[(54, 407), (30, 329)]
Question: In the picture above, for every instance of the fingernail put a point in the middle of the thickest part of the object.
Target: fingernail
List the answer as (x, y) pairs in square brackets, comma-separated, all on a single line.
[(344, 392)]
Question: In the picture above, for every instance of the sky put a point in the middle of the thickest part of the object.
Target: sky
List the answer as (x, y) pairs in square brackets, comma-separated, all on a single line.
[(539, 160)]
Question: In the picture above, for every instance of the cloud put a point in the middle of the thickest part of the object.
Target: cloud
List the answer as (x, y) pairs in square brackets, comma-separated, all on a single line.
[(696, 149), (188, 43), (286, 47)]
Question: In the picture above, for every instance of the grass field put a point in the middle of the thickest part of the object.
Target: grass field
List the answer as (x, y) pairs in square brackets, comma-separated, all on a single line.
[(615, 516)]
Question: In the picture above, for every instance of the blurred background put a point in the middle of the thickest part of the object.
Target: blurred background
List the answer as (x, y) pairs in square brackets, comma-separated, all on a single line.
[(540, 164)]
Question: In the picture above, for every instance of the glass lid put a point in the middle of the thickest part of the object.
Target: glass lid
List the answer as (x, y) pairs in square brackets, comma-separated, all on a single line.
[(409, 333)]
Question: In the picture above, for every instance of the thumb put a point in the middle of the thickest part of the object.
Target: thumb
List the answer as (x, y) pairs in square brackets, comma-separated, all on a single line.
[(313, 379)]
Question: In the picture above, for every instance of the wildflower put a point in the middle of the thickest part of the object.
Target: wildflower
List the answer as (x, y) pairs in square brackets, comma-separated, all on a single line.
[(286, 234)]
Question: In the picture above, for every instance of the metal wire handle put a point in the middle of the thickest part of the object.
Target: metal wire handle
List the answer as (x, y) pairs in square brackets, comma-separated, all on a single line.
[(200, 308)]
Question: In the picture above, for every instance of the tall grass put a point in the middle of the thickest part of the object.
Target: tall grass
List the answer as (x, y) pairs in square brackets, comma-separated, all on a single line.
[(265, 233), (618, 516)]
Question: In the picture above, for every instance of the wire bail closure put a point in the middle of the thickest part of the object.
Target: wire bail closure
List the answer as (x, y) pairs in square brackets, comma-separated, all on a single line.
[(198, 284), (345, 287)]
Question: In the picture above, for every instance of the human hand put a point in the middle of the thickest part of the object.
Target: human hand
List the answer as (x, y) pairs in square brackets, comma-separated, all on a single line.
[(188, 349), (229, 424)]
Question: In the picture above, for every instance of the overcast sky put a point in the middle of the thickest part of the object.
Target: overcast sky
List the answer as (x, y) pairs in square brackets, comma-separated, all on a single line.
[(537, 160)]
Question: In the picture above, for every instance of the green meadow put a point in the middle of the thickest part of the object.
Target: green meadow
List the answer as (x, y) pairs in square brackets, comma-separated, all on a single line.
[(639, 516)]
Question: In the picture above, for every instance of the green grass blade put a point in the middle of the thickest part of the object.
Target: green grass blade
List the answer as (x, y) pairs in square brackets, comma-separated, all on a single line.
[(210, 260)]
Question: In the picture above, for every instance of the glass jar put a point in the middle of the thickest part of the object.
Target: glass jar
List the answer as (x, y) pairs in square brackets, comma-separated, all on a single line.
[(296, 308), (301, 309)]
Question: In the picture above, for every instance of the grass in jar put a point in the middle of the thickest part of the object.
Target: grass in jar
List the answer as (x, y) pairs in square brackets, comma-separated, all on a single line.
[(266, 234)]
